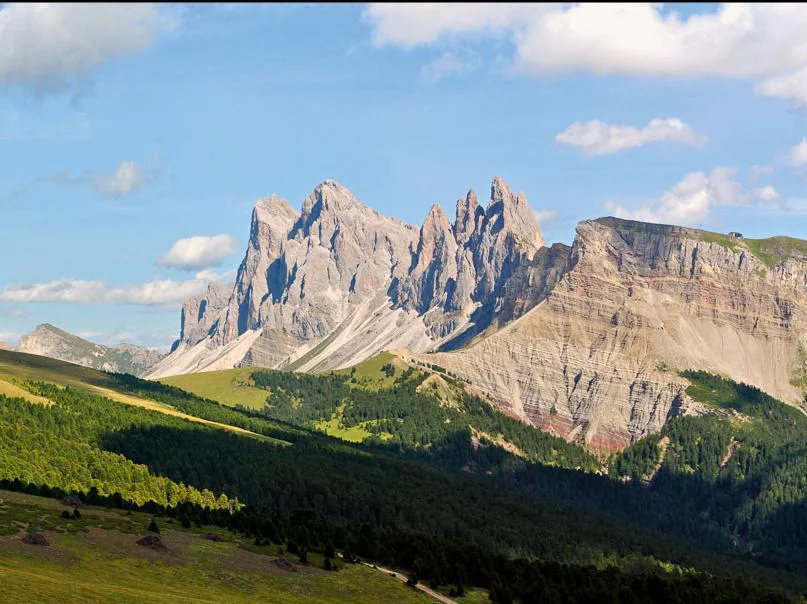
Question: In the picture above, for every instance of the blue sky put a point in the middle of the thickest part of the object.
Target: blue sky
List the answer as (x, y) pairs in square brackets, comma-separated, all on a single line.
[(127, 129)]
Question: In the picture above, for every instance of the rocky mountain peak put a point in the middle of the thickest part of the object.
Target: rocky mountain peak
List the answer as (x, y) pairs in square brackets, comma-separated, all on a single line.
[(512, 213), (271, 208), (469, 215), (340, 267), (436, 220)]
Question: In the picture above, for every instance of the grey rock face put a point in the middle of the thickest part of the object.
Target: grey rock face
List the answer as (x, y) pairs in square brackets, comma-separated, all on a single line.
[(461, 271), (339, 282), (200, 314)]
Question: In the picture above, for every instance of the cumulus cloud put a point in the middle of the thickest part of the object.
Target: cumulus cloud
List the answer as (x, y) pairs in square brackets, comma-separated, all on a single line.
[(200, 252), (451, 62), (798, 154), (598, 138), (763, 41), (52, 47), (767, 194), (165, 292), (127, 178), (690, 201)]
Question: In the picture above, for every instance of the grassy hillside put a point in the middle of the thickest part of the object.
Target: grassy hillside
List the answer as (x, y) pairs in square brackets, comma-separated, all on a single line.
[(230, 387), (98, 557), (386, 402), (450, 512)]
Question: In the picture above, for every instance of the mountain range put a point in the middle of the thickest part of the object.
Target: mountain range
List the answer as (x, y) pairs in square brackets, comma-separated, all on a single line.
[(584, 341)]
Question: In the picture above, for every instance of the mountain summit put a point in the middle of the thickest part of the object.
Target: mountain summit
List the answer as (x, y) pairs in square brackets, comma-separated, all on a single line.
[(339, 282)]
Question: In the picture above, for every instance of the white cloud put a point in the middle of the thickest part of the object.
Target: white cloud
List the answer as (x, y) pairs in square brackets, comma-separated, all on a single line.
[(767, 194), (411, 25), (735, 41), (598, 138), (543, 216), (790, 87), (689, 201), (201, 252), (51, 47), (127, 178), (165, 292), (798, 154), (451, 62), (14, 313)]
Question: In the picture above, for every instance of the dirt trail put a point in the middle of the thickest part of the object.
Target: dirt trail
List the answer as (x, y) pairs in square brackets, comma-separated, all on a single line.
[(663, 444), (403, 578)]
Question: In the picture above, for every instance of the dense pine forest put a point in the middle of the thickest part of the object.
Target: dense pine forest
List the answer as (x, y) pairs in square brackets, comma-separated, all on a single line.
[(722, 518)]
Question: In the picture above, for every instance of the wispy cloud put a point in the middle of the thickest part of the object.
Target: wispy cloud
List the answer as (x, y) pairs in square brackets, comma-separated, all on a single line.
[(598, 138), (165, 292), (451, 62), (124, 180), (544, 216)]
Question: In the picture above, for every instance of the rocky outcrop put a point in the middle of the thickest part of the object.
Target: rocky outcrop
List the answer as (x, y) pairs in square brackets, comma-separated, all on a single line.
[(200, 314), (340, 282), (49, 341), (594, 360)]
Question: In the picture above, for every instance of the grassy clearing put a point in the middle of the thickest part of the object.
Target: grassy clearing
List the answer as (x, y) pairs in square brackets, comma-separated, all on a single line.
[(334, 427), (96, 559), (10, 389), (369, 375), (230, 387)]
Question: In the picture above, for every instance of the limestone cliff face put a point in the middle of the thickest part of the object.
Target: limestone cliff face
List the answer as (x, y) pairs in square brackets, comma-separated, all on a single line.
[(49, 341), (592, 361), (340, 282), (200, 313)]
